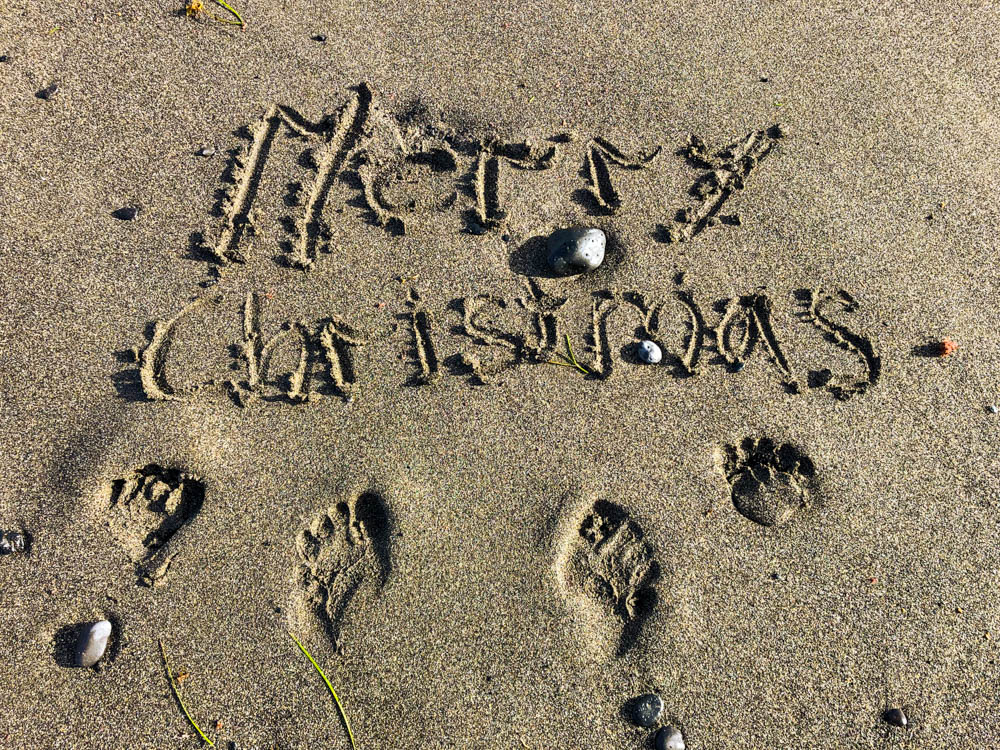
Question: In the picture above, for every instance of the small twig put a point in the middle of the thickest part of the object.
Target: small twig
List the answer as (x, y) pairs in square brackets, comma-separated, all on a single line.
[(340, 706), (177, 695)]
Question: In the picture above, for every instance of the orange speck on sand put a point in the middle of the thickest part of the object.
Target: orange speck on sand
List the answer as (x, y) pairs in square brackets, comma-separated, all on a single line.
[(947, 346)]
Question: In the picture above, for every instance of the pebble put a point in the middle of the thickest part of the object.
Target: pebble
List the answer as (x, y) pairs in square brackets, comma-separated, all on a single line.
[(647, 710), (575, 250), (206, 151), (319, 37), (992, 409), (12, 542), (93, 643), (126, 213), (896, 717), (649, 352), (48, 92), (4, 58), (669, 738)]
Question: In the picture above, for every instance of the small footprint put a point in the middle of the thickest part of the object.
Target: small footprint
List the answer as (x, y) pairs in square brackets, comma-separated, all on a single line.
[(768, 482), (607, 568), (146, 510), (342, 549)]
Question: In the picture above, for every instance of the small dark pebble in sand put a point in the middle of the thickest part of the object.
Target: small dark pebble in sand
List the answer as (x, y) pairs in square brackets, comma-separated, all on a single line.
[(647, 710), (206, 151), (738, 367), (669, 738), (126, 213), (896, 717), (4, 58), (48, 92), (11, 542), (476, 229), (319, 37), (992, 409)]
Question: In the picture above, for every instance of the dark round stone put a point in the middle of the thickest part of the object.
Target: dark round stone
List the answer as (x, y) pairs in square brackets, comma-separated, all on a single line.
[(126, 213), (319, 37), (896, 717), (670, 738), (647, 709)]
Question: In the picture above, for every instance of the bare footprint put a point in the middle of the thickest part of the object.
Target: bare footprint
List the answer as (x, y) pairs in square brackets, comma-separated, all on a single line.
[(341, 551), (607, 571), (768, 483), (146, 510)]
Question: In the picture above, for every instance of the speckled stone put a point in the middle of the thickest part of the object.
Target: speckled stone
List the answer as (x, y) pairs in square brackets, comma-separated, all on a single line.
[(649, 352), (670, 738), (92, 644), (576, 250), (647, 710), (896, 717)]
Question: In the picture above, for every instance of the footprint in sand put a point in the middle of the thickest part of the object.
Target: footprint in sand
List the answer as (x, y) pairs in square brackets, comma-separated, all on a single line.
[(344, 550), (145, 511), (607, 571), (768, 482)]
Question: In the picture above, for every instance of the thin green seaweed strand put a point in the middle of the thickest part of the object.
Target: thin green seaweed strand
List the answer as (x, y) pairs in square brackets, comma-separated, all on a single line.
[(340, 706), (232, 10), (177, 695), (570, 360)]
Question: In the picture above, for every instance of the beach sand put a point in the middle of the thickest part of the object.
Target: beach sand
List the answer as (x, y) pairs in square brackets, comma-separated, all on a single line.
[(306, 388)]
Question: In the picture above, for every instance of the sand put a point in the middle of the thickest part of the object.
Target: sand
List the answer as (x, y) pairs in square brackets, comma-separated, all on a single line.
[(306, 389)]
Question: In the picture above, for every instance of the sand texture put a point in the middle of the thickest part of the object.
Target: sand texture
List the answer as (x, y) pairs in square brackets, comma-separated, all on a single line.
[(307, 388)]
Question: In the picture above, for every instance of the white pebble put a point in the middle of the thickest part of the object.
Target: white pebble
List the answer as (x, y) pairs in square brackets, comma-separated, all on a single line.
[(576, 250), (649, 352), (93, 643)]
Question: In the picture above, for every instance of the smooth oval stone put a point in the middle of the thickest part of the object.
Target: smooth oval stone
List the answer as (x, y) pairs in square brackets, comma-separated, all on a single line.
[(576, 250), (649, 352), (896, 717), (93, 643), (647, 710), (669, 738)]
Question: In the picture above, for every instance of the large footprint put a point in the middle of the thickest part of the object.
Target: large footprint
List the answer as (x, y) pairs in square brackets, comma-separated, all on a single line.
[(607, 570), (343, 549)]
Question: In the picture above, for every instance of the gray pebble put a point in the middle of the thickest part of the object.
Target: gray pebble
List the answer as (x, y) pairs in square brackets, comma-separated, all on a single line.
[(669, 738), (206, 151), (896, 717), (4, 58), (5, 547), (992, 409), (48, 92), (647, 710), (319, 38), (18, 542), (576, 250), (126, 213), (93, 643), (649, 352)]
